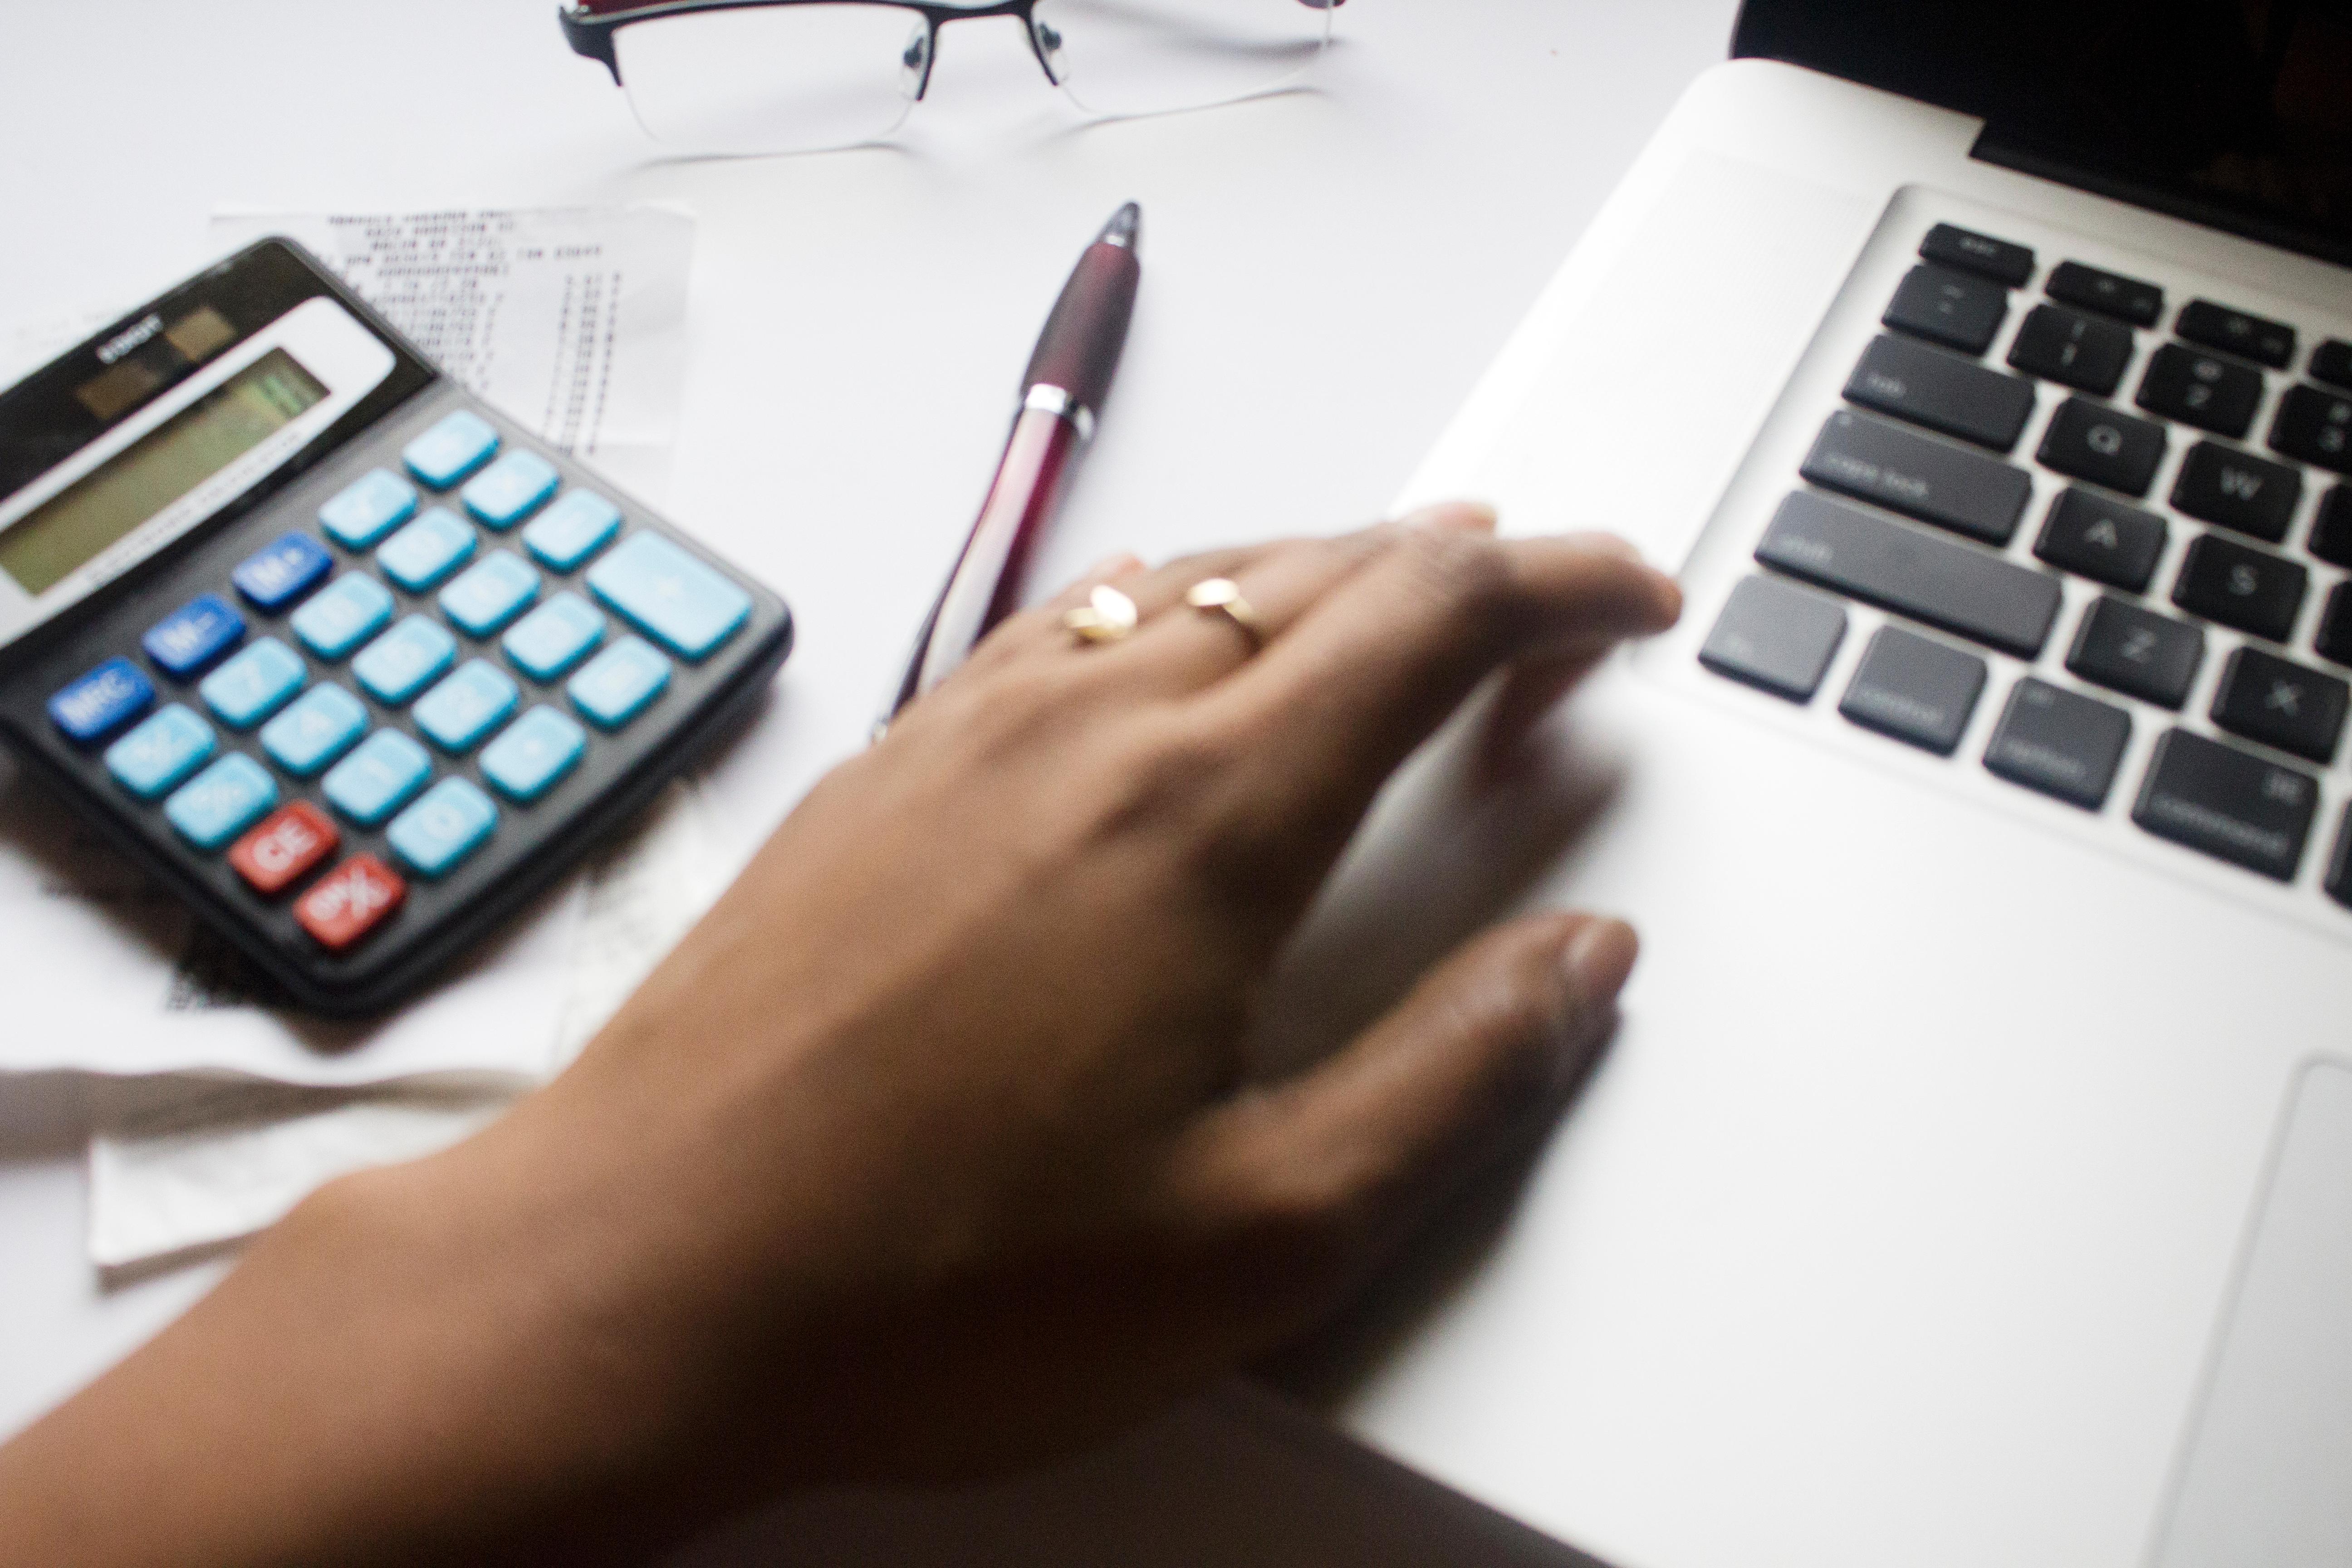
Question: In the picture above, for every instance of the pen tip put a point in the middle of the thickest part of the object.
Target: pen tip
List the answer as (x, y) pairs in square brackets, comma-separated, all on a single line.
[(1125, 227)]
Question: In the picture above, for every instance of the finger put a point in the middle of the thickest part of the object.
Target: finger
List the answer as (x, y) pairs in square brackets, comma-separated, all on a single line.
[(1344, 1160), (1334, 704)]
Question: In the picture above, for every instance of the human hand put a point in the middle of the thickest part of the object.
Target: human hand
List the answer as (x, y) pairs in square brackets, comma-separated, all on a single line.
[(929, 1151)]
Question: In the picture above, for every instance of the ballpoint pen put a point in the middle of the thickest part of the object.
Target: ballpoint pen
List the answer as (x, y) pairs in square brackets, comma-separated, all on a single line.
[(1069, 373)]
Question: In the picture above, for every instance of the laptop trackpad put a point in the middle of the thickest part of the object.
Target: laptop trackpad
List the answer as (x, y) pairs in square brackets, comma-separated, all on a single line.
[(2268, 1475)]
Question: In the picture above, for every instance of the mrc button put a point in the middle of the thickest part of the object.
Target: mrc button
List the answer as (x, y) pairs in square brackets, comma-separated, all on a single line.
[(349, 902), (101, 701), (287, 844)]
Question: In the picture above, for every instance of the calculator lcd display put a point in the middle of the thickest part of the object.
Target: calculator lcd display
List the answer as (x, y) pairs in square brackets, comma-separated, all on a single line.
[(53, 539)]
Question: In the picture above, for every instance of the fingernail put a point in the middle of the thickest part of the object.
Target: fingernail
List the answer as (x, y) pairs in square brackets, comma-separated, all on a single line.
[(1466, 516), (1605, 544), (1112, 566), (1597, 958)]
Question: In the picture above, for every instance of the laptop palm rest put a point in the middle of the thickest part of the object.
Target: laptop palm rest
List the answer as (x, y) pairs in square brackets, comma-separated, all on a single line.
[(2267, 1476)]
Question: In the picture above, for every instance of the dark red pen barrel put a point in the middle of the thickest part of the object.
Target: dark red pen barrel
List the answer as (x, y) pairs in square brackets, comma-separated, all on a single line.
[(1078, 351)]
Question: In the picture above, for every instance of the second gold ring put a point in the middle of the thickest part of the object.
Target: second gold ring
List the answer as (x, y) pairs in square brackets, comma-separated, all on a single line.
[(1222, 597)]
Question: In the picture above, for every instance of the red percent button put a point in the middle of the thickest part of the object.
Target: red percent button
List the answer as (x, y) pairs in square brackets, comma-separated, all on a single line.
[(348, 901), (285, 845)]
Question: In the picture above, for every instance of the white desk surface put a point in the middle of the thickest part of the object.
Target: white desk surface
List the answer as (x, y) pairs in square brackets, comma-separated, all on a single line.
[(1325, 275)]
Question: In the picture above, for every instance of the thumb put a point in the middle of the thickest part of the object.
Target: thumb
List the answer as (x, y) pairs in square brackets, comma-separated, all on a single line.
[(1342, 1163)]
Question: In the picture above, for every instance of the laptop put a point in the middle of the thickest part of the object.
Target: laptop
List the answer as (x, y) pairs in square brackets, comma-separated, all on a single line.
[(1985, 374)]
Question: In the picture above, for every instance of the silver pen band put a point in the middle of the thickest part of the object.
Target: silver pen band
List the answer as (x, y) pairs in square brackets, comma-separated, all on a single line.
[(1047, 398)]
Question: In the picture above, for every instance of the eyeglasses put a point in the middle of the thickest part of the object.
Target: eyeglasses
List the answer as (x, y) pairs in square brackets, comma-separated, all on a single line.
[(784, 75)]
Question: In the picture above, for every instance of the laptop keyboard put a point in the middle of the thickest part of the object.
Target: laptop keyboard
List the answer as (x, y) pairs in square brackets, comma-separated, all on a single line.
[(1921, 498)]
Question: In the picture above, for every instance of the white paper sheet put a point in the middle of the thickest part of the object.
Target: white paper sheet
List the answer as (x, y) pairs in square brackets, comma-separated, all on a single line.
[(184, 1177), (573, 321)]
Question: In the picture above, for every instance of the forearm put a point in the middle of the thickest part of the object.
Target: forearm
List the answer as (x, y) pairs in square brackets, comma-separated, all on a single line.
[(391, 1373)]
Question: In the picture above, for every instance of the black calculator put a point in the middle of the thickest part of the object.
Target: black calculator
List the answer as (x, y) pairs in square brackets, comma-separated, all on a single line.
[(338, 654)]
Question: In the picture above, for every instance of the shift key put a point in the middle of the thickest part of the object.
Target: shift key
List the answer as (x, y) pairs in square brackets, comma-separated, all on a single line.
[(1941, 391), (1934, 481), (1928, 576)]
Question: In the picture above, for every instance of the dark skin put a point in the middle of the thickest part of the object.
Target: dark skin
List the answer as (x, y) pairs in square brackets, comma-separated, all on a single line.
[(929, 1154)]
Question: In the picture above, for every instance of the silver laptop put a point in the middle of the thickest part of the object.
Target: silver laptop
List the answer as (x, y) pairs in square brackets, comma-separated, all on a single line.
[(1985, 372)]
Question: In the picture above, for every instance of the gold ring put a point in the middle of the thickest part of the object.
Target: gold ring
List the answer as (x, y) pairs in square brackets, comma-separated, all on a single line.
[(1105, 616), (1222, 597)]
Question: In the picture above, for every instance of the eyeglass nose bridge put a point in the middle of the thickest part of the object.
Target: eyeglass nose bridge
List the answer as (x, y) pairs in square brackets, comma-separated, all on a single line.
[(937, 16)]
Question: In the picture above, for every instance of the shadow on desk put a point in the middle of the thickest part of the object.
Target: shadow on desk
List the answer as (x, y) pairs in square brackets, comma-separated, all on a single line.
[(1235, 1480)]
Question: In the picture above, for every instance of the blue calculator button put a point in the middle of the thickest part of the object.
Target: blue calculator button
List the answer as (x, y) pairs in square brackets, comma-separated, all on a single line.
[(442, 828), (573, 530), (282, 570), (475, 700), (254, 684), (159, 752), (511, 489), (554, 636), (669, 595), (101, 701), (342, 615), (377, 778), (316, 729), (427, 549), (222, 802), (618, 683), (538, 749), (455, 446), (405, 659), (370, 507), (491, 592), (194, 634)]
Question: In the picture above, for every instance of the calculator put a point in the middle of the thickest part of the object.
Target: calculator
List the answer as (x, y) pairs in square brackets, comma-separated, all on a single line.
[(344, 657)]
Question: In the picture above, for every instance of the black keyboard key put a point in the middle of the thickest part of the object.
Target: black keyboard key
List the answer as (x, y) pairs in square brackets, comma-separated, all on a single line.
[(2141, 304), (1949, 308), (1777, 636), (2072, 348), (2237, 489), (2315, 427), (2201, 389), (2103, 540), (2228, 803), (2338, 881), (2331, 362), (2331, 530), (2234, 331), (2238, 586), (1915, 689), (2266, 699), (1930, 577), (1998, 259), (2138, 652), (2092, 441), (1932, 479), (2333, 641), (1942, 391), (2059, 742)]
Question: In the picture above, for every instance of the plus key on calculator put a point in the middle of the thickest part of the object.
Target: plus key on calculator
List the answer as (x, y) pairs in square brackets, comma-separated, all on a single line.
[(346, 659)]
